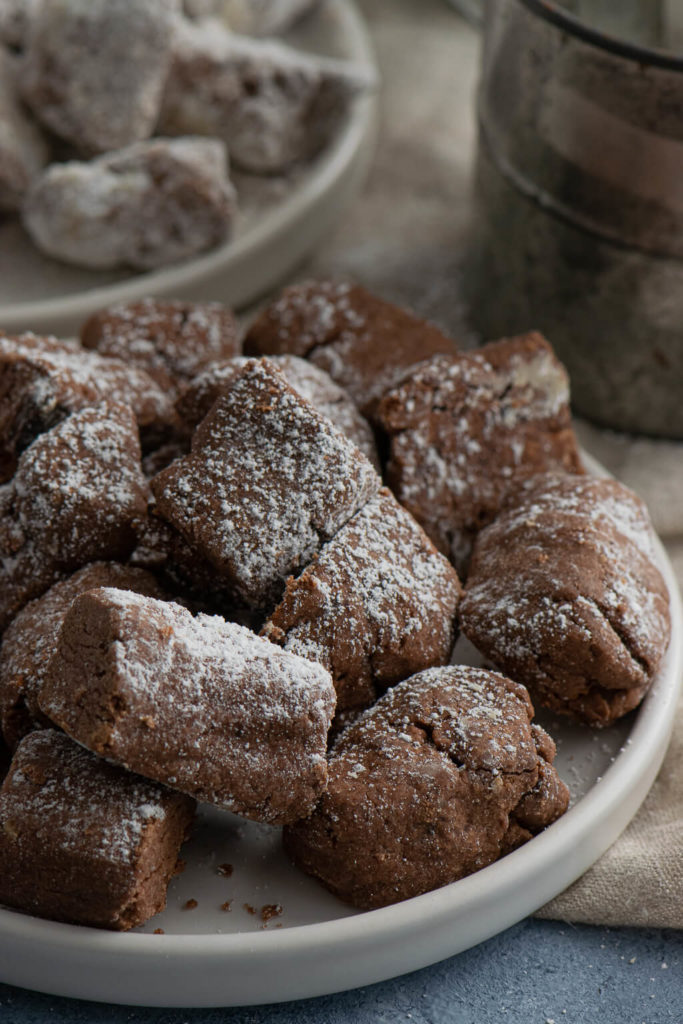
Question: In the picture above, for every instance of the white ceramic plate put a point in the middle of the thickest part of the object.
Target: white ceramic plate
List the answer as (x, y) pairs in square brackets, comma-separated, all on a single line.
[(317, 945), (281, 220)]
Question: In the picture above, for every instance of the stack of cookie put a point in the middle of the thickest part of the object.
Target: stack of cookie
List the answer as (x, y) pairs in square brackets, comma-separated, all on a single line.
[(208, 593), (119, 120)]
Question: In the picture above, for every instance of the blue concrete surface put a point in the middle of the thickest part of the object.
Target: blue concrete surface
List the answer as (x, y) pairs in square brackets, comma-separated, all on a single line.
[(539, 972)]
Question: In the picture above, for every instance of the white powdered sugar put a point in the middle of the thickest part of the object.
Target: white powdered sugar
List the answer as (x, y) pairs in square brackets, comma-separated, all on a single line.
[(23, 148)]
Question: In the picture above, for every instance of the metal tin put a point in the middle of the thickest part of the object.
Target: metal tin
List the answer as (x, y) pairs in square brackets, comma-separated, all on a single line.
[(579, 209)]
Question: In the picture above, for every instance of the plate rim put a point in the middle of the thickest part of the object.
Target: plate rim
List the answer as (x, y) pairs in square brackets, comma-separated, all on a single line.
[(574, 842)]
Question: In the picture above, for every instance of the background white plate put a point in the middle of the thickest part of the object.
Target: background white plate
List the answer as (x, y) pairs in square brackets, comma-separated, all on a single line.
[(210, 957), (281, 220)]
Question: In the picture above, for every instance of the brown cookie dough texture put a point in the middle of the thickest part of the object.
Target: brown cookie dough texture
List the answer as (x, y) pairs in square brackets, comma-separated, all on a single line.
[(270, 104), (23, 148), (43, 380), (172, 341), (31, 640), (201, 704), (264, 17), (267, 482), (377, 604), (464, 430), (95, 69), (565, 596), (312, 383), (83, 841), (143, 207), (365, 344), (75, 498), (441, 777)]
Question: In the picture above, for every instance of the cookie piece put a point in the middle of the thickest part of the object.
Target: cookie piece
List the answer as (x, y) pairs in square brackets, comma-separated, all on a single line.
[(23, 148), (75, 498), (201, 704), (378, 604), (564, 594), (267, 482), (441, 777), (172, 341), (313, 384), (365, 344), (265, 17), (83, 841), (270, 104), (31, 640), (464, 430), (43, 380), (95, 70), (143, 207)]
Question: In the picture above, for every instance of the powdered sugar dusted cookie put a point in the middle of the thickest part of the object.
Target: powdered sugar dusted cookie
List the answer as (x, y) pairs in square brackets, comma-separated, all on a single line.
[(95, 69), (267, 482), (564, 595), (172, 341), (377, 604), (264, 17), (31, 640), (83, 841), (199, 703), (76, 494), (23, 148), (272, 105), (465, 429), (441, 777), (313, 384), (151, 204), (365, 344)]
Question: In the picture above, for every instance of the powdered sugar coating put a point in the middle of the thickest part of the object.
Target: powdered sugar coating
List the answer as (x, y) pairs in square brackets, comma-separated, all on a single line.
[(81, 840), (15, 18), (313, 384), (74, 498), (95, 69), (465, 429), (377, 605), (365, 344), (564, 595), (199, 703), (31, 640), (42, 380), (172, 341), (145, 206), (23, 148), (439, 778), (270, 104), (268, 481)]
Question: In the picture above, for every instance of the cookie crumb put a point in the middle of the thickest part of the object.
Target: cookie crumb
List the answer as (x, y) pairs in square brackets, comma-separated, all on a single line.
[(270, 910), (159, 931), (249, 909), (190, 905), (227, 906), (225, 869)]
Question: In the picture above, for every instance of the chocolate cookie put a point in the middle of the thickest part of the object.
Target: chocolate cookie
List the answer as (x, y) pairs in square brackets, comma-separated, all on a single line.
[(94, 72), (441, 777), (85, 842), (365, 344), (42, 380), (313, 384), (172, 341), (564, 595), (271, 105), (464, 430), (377, 604), (143, 207), (24, 150), (75, 497), (31, 640), (201, 704), (267, 482)]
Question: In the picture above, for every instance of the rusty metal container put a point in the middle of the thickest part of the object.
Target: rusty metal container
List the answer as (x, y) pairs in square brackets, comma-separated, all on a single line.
[(578, 219)]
